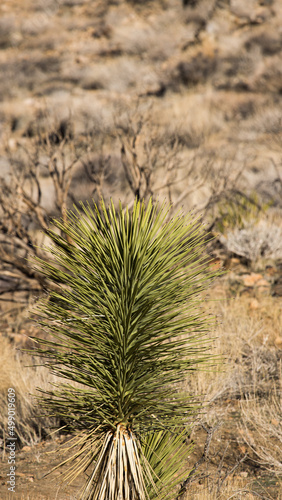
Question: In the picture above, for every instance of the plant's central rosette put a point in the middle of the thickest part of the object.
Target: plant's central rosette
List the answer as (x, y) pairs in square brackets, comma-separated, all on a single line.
[(125, 323)]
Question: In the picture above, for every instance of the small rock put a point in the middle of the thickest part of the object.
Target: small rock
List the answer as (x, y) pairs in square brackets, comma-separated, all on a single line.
[(215, 264), (26, 448), (275, 422), (278, 342), (254, 304), (244, 473), (250, 280)]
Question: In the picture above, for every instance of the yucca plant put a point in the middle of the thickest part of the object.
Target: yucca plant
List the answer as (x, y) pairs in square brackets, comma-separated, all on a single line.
[(126, 328)]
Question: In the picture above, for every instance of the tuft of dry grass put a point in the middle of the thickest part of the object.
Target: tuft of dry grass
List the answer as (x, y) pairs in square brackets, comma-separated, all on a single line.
[(29, 425), (247, 342), (243, 397), (235, 488), (261, 429)]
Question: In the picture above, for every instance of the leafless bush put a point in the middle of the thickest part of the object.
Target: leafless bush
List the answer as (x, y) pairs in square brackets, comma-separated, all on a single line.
[(7, 32), (165, 161), (153, 164), (36, 188)]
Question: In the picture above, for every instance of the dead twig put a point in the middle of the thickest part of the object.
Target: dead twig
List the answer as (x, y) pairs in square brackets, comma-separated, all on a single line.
[(204, 458)]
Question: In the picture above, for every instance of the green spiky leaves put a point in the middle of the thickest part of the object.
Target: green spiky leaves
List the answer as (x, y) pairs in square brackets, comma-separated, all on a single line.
[(125, 324)]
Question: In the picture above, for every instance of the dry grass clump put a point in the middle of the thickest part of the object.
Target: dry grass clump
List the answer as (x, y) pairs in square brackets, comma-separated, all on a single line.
[(261, 430), (14, 373), (234, 488), (246, 339), (245, 392)]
